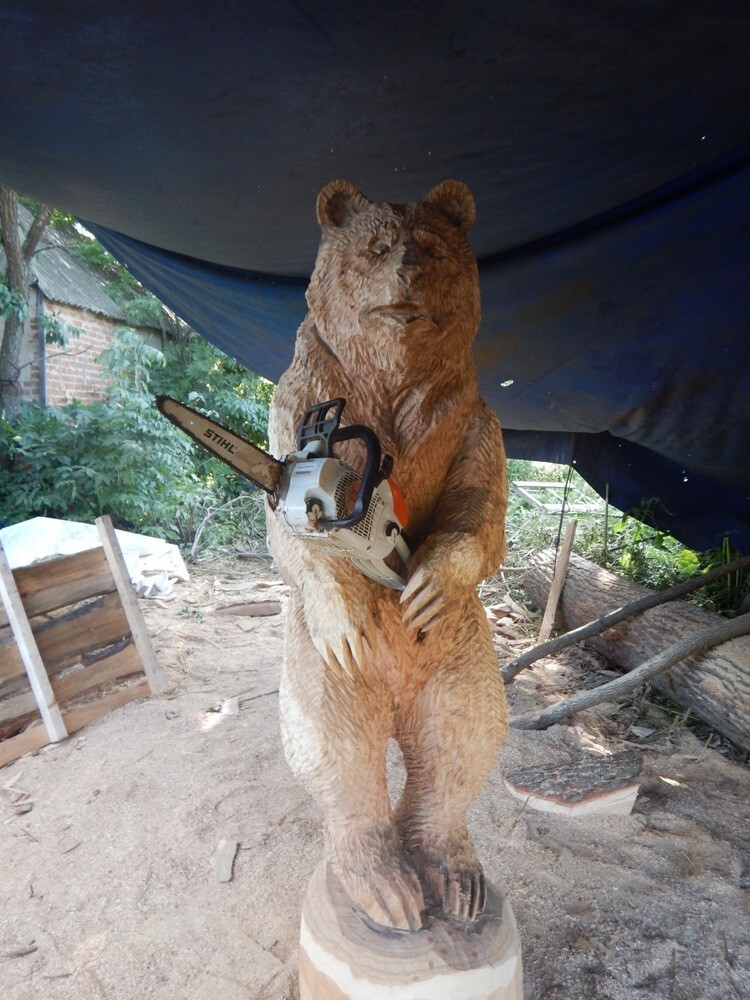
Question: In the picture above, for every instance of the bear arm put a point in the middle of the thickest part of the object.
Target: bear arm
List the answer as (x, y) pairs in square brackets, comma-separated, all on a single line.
[(471, 507), (339, 622)]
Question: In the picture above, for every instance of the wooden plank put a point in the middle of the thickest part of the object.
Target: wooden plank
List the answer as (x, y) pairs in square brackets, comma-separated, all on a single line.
[(20, 720), (32, 660), (67, 639), (11, 664), (110, 669), (558, 581), (130, 604), (35, 737), (56, 583)]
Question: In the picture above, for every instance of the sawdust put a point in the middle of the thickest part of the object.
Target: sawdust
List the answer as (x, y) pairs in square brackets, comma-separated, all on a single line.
[(109, 889)]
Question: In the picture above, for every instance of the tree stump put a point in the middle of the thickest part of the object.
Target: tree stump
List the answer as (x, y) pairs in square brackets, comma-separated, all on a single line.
[(345, 957)]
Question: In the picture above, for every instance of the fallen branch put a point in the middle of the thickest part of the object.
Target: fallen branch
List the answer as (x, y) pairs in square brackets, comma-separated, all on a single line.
[(599, 625), (694, 644)]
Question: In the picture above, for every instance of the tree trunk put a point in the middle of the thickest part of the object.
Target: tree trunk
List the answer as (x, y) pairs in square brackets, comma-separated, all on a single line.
[(18, 257), (715, 684)]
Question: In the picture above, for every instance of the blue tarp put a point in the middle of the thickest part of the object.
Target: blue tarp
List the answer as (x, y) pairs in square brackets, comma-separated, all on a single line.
[(607, 146)]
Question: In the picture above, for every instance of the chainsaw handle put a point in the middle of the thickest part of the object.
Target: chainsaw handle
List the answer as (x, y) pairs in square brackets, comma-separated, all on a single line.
[(370, 477)]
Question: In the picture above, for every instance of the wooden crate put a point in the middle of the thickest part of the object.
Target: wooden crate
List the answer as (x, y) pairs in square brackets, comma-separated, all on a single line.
[(71, 635)]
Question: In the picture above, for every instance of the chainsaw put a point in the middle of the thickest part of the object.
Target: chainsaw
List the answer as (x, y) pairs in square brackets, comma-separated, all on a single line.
[(312, 492)]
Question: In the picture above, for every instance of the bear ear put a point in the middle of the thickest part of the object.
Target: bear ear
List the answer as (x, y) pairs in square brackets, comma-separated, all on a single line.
[(337, 202), (456, 201)]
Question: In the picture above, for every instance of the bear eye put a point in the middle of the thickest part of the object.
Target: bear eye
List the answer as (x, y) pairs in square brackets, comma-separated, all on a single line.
[(383, 241), (379, 246)]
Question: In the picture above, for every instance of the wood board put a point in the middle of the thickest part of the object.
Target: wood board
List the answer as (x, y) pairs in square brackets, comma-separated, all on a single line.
[(70, 630)]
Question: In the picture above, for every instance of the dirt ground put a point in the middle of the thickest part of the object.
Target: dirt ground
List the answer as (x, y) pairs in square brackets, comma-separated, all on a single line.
[(108, 888)]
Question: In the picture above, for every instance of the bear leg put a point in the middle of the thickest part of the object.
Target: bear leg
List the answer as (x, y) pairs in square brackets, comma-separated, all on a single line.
[(450, 737), (335, 728)]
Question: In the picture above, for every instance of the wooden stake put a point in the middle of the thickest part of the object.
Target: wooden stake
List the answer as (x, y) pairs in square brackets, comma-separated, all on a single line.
[(130, 604), (558, 582), (32, 661)]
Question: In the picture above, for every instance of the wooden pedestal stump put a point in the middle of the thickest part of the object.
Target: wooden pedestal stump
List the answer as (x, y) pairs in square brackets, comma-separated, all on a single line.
[(343, 957)]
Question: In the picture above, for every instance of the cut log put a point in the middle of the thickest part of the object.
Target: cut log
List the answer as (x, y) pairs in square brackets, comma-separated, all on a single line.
[(714, 684), (344, 957), (650, 600), (591, 785)]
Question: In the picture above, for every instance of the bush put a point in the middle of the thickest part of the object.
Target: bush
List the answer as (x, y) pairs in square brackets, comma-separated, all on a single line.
[(628, 544), (119, 456)]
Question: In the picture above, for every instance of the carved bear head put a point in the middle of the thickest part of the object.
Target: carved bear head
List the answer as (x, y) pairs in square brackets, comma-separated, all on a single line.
[(395, 283)]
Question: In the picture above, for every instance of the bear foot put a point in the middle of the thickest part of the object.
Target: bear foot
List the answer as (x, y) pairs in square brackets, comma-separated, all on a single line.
[(379, 880), (452, 876), (459, 890)]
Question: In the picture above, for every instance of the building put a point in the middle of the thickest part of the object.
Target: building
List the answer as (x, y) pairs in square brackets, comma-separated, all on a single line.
[(73, 292)]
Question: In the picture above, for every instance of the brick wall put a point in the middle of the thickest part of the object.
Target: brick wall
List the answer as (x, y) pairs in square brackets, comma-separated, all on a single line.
[(72, 371)]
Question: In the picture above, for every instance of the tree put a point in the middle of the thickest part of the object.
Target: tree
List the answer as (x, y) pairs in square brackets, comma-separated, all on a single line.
[(14, 304)]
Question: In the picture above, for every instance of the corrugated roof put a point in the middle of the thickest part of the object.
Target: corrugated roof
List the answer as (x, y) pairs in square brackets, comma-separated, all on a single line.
[(65, 279)]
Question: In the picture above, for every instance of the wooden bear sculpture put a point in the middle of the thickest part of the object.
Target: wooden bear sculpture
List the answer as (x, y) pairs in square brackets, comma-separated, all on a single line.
[(394, 308)]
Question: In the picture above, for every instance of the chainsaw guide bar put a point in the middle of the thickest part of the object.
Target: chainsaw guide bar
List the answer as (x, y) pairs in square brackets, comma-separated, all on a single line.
[(253, 463)]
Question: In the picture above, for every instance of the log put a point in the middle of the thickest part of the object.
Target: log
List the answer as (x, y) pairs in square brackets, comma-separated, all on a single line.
[(345, 957), (592, 785), (651, 599), (692, 645), (714, 684)]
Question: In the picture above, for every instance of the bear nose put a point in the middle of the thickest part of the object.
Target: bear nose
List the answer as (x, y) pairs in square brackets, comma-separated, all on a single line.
[(409, 258)]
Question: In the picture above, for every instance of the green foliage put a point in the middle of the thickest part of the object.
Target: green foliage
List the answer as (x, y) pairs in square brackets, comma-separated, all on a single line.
[(522, 470), (140, 307), (725, 595), (633, 547), (200, 375), (121, 457), (11, 303), (56, 331)]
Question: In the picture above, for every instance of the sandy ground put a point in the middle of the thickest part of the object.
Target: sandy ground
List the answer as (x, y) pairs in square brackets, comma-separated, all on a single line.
[(106, 841)]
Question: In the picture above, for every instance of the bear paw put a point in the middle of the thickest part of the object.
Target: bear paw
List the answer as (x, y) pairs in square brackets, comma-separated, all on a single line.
[(383, 885), (459, 890), (450, 872)]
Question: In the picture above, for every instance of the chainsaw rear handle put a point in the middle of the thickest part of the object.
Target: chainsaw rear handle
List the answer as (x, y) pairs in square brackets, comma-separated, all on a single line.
[(321, 423), (370, 477)]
